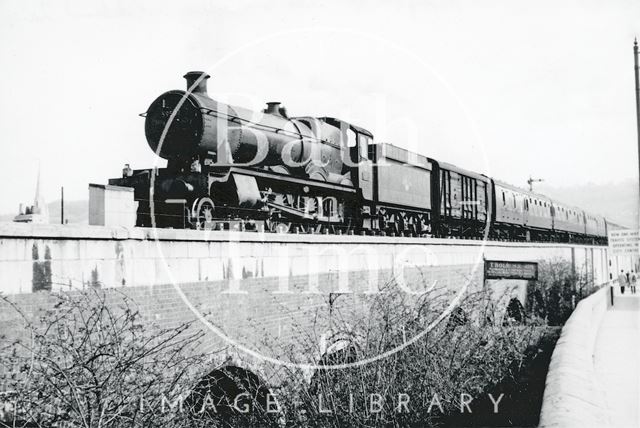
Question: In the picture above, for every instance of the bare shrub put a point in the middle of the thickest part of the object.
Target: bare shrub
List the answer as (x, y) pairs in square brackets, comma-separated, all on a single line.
[(559, 288), (423, 384), (92, 361)]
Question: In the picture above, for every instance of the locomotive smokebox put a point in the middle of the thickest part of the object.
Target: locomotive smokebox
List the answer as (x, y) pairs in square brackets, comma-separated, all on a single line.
[(197, 82)]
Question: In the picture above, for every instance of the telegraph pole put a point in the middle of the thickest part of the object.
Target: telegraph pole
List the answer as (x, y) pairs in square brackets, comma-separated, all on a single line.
[(62, 205), (637, 76)]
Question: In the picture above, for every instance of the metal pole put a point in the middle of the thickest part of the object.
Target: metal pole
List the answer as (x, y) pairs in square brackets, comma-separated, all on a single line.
[(62, 205), (637, 78), (611, 293)]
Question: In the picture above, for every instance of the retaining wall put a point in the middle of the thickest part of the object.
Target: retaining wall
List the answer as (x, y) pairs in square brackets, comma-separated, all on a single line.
[(264, 291), (572, 396), (55, 257)]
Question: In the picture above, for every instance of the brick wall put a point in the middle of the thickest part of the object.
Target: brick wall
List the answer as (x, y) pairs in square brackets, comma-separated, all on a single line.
[(272, 317), (265, 292)]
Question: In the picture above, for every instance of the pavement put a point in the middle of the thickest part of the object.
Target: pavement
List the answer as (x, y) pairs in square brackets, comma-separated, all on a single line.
[(616, 360)]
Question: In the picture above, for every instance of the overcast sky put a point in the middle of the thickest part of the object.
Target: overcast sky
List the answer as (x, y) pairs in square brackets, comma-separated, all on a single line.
[(509, 88)]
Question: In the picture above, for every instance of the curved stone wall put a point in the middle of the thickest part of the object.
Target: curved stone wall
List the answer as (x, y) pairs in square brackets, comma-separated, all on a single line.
[(572, 395)]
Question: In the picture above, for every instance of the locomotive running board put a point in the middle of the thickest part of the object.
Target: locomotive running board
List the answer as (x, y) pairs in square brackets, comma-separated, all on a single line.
[(291, 211), (273, 175)]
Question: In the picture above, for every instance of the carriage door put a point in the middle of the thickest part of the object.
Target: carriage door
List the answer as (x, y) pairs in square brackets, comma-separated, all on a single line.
[(365, 167)]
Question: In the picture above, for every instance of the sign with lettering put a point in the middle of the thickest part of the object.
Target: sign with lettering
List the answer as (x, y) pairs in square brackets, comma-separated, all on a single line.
[(623, 242), (503, 269)]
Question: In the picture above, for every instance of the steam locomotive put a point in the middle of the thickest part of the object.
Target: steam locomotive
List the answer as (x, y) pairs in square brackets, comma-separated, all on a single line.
[(234, 168)]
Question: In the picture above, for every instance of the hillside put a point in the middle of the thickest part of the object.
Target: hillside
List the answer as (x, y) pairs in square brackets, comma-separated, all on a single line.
[(618, 202)]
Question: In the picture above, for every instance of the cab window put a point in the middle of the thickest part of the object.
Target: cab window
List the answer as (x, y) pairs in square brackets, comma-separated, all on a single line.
[(364, 145), (351, 138)]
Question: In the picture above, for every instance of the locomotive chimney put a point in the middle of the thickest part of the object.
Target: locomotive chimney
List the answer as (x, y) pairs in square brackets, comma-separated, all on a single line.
[(275, 108), (192, 77)]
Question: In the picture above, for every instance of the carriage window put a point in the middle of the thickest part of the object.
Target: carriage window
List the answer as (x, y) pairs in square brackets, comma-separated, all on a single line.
[(514, 201), (504, 202)]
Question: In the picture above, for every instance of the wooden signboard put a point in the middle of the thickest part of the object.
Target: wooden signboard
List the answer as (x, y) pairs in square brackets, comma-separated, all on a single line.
[(502, 269)]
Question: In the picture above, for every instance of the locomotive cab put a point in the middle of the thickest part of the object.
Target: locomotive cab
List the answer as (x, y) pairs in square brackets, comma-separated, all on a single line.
[(355, 143)]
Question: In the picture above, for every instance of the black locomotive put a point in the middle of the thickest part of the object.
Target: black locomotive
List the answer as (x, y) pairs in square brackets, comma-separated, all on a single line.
[(229, 167)]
